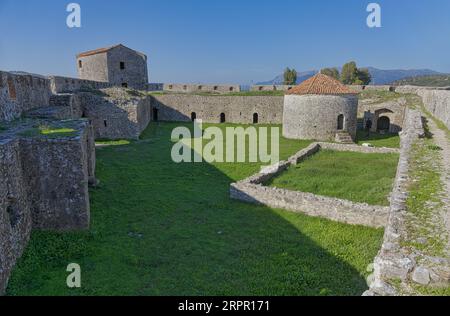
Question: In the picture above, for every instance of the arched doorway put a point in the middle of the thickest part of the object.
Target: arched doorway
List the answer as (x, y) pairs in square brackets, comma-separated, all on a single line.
[(155, 114), (384, 124), (340, 122), (193, 116), (222, 118), (255, 118)]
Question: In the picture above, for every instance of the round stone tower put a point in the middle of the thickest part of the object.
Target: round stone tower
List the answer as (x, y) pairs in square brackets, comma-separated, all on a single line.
[(321, 108)]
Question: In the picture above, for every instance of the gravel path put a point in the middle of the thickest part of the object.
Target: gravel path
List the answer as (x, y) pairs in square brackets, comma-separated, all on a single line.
[(442, 140)]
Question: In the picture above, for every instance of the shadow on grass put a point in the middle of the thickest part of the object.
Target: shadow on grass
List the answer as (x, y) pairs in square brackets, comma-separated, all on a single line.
[(160, 228), (391, 140)]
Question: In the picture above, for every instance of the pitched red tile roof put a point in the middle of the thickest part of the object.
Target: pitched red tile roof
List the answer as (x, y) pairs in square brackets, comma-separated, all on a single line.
[(321, 84), (102, 50)]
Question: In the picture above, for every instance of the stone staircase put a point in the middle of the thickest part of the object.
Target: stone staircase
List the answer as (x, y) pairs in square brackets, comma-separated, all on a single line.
[(344, 137)]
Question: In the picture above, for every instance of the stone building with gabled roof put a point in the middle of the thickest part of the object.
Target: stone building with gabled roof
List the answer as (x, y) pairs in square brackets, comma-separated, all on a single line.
[(321, 108), (118, 65)]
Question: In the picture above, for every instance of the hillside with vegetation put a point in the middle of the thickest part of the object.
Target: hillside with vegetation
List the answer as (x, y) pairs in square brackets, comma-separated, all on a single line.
[(428, 81)]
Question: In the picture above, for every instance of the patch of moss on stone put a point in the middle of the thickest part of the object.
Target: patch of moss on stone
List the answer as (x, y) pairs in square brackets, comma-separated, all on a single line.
[(48, 131)]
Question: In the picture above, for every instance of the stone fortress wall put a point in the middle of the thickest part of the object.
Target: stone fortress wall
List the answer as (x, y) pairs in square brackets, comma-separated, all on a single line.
[(271, 87), (33, 192), (199, 88), (20, 93), (437, 102), (394, 263), (44, 179), (211, 109)]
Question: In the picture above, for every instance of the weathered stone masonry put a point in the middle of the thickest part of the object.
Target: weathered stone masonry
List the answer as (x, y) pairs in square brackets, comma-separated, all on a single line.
[(235, 109), (252, 190), (44, 179), (392, 263), (44, 186), (21, 93)]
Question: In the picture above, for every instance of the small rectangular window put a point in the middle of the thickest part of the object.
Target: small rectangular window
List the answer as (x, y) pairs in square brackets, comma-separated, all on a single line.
[(80, 64), (122, 65)]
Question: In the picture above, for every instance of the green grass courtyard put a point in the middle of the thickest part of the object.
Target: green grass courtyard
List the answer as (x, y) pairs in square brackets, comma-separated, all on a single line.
[(358, 177), (161, 228)]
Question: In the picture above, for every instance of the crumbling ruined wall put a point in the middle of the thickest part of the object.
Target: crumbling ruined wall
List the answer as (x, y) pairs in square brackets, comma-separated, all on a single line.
[(21, 93), (60, 84), (44, 185), (236, 109), (115, 116)]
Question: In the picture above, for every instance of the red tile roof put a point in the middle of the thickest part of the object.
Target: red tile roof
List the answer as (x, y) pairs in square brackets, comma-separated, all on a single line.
[(321, 84)]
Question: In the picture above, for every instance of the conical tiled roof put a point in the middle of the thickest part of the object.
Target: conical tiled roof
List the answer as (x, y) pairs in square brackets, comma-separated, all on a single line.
[(323, 85)]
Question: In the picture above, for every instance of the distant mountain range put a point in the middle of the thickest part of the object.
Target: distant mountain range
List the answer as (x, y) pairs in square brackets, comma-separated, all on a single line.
[(379, 76)]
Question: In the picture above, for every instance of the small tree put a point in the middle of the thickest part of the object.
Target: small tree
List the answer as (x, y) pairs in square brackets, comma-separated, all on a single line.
[(332, 72), (364, 76), (290, 76), (349, 73)]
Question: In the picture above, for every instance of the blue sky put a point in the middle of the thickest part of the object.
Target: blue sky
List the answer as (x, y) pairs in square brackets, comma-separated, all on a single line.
[(227, 41)]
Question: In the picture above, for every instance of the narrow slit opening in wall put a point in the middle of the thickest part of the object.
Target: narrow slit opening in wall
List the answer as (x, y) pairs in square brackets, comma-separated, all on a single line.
[(340, 122), (122, 65), (222, 118), (105, 123), (255, 118), (14, 216)]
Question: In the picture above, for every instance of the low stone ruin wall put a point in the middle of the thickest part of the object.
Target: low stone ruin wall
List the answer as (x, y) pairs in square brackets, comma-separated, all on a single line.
[(392, 263), (69, 85), (21, 93), (359, 149), (252, 190), (44, 186), (236, 109)]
